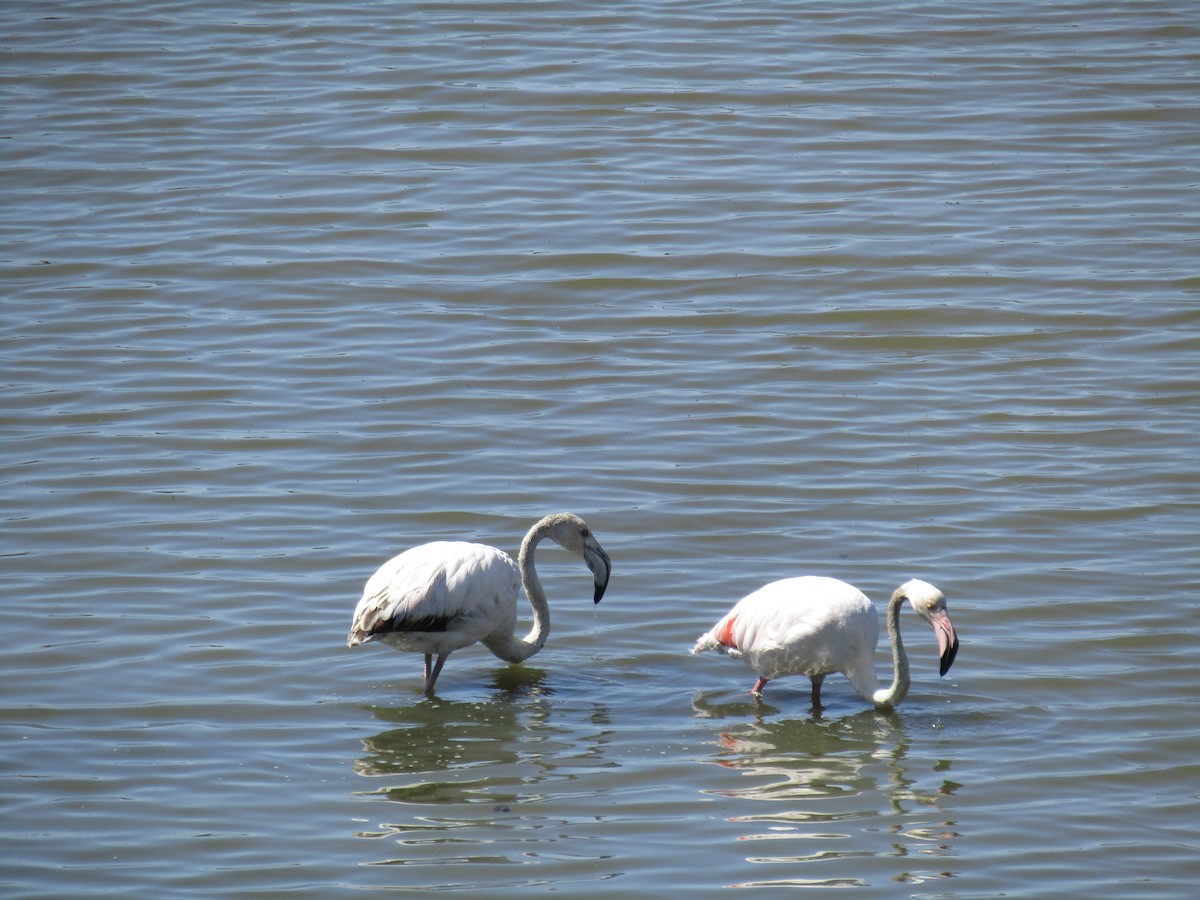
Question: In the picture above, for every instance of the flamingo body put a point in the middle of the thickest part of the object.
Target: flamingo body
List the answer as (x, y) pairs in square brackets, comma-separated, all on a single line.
[(817, 626), (442, 596), (800, 626), (439, 597)]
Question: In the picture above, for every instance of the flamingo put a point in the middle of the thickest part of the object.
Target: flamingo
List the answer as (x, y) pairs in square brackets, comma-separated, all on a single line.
[(814, 626), (441, 596)]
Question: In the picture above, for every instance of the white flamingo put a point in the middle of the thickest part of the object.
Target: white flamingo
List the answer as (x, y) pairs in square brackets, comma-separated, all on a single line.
[(814, 626), (439, 597)]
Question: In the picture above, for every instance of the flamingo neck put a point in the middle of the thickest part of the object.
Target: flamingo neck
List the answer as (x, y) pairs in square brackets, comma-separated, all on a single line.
[(517, 649), (891, 696)]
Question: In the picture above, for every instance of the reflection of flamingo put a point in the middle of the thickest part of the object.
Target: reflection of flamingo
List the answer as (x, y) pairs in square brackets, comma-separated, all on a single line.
[(813, 626), (439, 597)]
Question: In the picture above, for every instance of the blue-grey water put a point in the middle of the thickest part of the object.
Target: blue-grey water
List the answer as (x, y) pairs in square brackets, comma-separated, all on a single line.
[(760, 289)]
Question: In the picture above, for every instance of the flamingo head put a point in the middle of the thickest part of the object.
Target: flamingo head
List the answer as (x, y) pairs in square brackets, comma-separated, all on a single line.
[(930, 605), (572, 534)]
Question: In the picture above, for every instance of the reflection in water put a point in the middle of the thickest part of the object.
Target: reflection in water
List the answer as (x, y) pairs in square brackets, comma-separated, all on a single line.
[(824, 785), (435, 736), (465, 779)]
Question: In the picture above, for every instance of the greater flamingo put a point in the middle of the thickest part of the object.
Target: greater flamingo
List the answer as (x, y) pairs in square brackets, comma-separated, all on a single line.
[(439, 597), (814, 626)]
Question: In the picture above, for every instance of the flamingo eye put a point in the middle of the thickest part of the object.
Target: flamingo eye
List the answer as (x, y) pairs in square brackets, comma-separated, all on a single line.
[(583, 532)]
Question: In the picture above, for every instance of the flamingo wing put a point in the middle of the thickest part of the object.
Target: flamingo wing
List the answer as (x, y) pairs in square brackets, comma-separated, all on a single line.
[(453, 589)]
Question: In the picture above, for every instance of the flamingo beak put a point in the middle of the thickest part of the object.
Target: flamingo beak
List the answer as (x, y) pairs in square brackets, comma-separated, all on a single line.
[(946, 638), (597, 560)]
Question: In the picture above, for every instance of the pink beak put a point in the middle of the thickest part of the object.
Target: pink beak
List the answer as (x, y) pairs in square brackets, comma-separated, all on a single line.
[(946, 638)]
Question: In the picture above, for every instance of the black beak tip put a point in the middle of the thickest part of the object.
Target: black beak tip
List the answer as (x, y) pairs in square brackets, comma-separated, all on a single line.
[(601, 570), (948, 657)]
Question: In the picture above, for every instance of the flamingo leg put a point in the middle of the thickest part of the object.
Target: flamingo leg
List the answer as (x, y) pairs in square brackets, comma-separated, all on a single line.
[(758, 687), (432, 676), (817, 681)]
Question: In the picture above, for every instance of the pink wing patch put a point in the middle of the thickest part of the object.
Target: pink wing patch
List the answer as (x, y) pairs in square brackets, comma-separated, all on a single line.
[(725, 635)]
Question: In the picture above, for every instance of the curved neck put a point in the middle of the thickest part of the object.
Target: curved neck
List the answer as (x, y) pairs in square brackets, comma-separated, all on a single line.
[(889, 697), (513, 648)]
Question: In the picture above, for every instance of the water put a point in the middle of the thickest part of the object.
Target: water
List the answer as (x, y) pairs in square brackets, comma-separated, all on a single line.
[(758, 289)]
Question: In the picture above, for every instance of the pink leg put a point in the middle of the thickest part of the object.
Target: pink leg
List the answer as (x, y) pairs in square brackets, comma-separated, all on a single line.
[(758, 687), (431, 677)]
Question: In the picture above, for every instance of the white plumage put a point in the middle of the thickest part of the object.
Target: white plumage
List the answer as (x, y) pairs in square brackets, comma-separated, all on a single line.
[(441, 596), (815, 626)]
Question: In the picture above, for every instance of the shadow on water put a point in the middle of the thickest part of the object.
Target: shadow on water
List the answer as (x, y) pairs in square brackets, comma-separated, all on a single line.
[(820, 790)]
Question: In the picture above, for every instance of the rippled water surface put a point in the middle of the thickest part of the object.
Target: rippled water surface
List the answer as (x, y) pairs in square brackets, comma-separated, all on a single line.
[(759, 289)]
